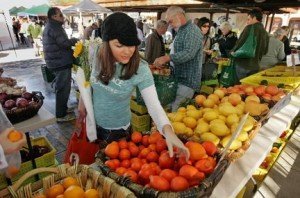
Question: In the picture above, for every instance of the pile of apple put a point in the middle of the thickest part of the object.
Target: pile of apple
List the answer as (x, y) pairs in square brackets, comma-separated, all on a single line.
[(145, 160), (25, 100)]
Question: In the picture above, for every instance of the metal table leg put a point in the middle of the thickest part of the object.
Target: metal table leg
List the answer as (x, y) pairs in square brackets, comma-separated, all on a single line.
[(31, 154)]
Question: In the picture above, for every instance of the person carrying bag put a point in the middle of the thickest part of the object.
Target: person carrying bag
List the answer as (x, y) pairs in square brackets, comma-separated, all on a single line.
[(248, 49)]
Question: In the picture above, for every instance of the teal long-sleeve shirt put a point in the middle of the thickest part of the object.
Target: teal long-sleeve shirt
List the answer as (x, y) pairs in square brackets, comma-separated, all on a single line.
[(187, 57)]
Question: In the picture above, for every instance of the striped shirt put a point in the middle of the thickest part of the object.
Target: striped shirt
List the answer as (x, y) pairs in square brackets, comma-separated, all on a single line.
[(187, 57)]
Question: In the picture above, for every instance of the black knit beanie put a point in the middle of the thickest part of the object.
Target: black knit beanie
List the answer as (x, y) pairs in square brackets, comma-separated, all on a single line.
[(122, 27)]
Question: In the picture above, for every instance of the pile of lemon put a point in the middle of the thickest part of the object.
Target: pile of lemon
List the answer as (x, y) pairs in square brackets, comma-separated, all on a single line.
[(215, 120)]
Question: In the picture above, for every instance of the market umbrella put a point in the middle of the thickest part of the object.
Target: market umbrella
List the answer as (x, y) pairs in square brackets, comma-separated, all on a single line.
[(86, 7), (14, 10), (40, 10)]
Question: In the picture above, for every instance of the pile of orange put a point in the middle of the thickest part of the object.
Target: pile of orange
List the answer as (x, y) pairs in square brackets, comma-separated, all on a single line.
[(68, 188), (146, 161)]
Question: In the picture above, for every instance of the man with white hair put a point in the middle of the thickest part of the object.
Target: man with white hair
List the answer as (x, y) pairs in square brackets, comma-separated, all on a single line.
[(275, 50), (155, 46), (187, 56), (228, 39)]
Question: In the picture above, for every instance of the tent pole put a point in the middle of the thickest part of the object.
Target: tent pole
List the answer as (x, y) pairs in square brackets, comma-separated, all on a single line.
[(10, 34)]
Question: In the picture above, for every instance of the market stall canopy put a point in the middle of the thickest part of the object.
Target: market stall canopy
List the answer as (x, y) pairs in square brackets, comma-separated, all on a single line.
[(14, 10), (273, 6), (152, 5), (40, 10), (86, 7)]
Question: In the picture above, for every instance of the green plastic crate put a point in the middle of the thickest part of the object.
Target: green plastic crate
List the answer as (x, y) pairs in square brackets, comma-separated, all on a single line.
[(141, 109), (45, 160)]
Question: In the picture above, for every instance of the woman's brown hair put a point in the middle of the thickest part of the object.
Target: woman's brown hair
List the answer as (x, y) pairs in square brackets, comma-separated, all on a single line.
[(107, 64)]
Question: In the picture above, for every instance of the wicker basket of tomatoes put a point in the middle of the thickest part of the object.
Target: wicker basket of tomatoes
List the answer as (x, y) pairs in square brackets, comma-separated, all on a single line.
[(143, 165)]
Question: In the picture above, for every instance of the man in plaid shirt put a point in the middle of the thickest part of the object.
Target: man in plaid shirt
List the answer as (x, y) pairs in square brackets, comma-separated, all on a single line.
[(187, 57)]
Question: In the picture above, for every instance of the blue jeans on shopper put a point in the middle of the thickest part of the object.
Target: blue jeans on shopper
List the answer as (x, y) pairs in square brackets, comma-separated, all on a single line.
[(62, 91)]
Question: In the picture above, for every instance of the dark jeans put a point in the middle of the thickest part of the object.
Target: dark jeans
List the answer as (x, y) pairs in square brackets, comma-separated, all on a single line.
[(106, 136), (62, 91)]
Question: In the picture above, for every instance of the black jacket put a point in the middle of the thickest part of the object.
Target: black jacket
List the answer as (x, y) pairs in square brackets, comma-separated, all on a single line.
[(226, 43), (57, 46)]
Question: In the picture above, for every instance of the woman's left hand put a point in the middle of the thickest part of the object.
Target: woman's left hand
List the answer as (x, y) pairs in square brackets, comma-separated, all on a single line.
[(173, 141)]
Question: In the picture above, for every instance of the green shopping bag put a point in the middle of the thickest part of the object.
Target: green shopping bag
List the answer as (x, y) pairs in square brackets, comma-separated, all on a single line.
[(248, 49), (228, 75)]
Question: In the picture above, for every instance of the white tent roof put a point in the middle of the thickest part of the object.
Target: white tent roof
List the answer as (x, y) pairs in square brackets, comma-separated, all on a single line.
[(86, 6)]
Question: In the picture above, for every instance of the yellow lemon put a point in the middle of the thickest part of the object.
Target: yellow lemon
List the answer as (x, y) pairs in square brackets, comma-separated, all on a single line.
[(219, 129), (210, 137), (190, 122), (179, 127), (201, 128)]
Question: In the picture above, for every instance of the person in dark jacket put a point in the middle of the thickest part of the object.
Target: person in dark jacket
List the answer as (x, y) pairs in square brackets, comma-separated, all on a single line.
[(59, 60), (286, 42), (155, 46), (227, 40), (248, 66)]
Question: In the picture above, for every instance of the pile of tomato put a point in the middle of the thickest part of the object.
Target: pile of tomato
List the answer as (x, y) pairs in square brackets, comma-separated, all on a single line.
[(145, 160)]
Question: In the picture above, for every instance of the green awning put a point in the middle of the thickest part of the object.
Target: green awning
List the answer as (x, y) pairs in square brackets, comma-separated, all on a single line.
[(40, 10), (15, 10)]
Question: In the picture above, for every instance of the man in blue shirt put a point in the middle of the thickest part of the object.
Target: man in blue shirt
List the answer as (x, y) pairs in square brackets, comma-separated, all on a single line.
[(187, 56)]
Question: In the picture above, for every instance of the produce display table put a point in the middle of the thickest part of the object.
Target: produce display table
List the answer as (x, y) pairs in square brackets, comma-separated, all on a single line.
[(42, 119), (239, 172)]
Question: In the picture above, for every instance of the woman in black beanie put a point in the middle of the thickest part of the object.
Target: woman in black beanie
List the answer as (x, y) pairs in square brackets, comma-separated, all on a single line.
[(117, 71)]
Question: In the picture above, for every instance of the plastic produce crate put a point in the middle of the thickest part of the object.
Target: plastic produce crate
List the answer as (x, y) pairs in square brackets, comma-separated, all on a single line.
[(46, 160)]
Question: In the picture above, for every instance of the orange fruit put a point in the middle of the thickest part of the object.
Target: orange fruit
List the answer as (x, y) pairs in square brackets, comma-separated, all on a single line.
[(136, 137), (112, 150), (210, 148), (12, 171), (124, 154), (54, 191), (39, 196), (14, 135), (60, 196), (74, 192), (200, 99), (179, 183), (123, 144), (91, 193), (69, 181)]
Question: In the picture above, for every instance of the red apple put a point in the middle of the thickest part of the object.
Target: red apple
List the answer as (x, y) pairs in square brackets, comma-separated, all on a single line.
[(27, 95), (9, 104), (22, 102)]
